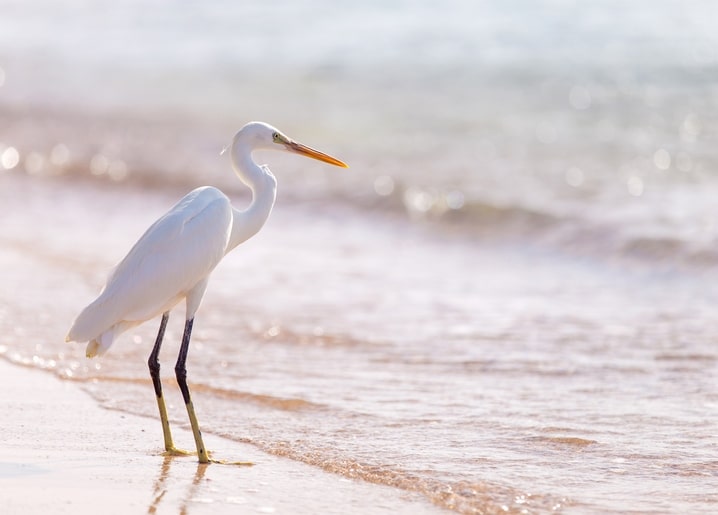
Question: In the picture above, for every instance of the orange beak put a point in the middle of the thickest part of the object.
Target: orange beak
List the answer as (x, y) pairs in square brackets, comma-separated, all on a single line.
[(304, 150)]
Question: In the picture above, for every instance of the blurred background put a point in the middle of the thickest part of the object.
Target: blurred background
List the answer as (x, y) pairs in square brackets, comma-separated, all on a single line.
[(552, 116), (518, 267)]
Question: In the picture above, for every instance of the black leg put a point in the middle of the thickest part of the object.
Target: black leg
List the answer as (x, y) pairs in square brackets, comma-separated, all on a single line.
[(180, 367), (153, 362), (181, 373)]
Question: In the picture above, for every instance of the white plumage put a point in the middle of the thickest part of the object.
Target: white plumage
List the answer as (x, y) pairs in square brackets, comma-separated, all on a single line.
[(174, 258), (151, 279)]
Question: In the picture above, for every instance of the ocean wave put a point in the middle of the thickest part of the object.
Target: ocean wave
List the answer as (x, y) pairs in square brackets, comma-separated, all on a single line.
[(262, 400), (172, 155), (459, 496), (571, 230)]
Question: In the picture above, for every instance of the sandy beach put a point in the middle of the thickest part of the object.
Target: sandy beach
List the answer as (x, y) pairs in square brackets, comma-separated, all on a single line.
[(61, 453)]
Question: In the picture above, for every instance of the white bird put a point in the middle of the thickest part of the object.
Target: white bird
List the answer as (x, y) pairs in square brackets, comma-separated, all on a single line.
[(173, 259)]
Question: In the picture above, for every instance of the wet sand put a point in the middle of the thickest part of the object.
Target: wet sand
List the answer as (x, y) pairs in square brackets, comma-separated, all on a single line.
[(61, 453)]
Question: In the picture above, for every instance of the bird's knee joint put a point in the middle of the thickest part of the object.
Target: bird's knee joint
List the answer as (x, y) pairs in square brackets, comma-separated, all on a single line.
[(181, 374), (154, 366)]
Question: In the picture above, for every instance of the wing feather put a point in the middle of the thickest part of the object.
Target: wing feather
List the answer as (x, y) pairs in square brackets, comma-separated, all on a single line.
[(174, 254)]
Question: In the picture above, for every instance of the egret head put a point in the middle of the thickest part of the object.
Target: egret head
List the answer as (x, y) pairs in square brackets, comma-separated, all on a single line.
[(262, 136)]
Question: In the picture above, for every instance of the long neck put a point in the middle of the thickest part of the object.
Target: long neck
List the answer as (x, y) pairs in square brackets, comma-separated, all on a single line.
[(247, 223)]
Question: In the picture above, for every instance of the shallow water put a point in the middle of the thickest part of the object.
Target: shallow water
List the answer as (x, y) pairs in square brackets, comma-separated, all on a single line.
[(505, 303), (472, 373)]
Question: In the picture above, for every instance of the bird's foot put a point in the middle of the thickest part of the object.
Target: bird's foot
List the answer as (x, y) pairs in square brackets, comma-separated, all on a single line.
[(210, 459), (174, 451), (238, 463)]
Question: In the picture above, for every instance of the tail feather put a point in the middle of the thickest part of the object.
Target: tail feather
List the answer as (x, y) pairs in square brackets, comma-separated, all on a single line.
[(100, 345), (91, 322), (93, 349)]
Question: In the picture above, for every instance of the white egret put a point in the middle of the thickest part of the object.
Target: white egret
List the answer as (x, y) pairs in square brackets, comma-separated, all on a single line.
[(172, 261)]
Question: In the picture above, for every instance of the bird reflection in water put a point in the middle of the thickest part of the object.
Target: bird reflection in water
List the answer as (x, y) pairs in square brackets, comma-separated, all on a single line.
[(160, 487)]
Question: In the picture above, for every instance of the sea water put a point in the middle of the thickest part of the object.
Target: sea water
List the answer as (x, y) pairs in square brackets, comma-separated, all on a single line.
[(506, 303)]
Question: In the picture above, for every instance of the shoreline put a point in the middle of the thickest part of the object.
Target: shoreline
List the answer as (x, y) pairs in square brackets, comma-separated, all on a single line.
[(62, 453)]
